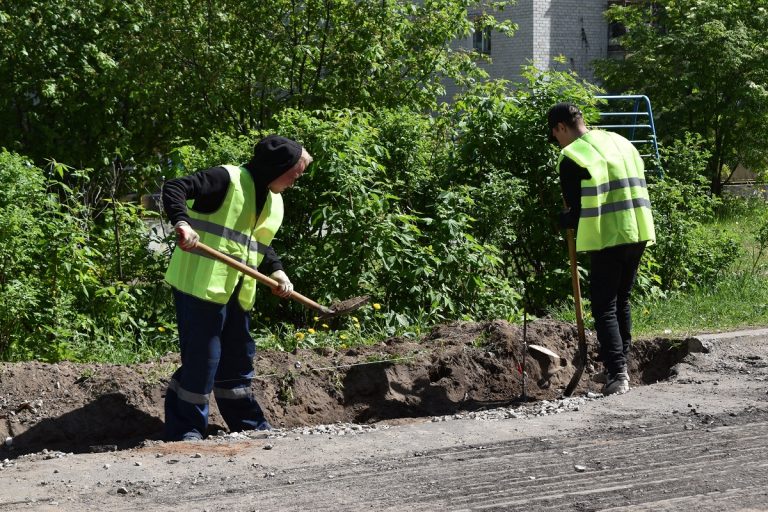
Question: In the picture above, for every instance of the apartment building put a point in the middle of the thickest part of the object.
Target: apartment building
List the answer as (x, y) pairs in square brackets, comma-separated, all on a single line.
[(575, 29)]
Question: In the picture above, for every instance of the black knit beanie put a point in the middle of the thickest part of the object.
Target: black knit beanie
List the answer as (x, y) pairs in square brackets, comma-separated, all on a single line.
[(273, 155)]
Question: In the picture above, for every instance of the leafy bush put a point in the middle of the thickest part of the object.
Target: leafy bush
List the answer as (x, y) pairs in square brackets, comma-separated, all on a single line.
[(687, 253), (61, 288), (436, 216)]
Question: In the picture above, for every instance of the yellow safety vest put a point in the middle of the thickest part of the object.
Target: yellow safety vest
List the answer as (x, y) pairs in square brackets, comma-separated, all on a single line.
[(235, 230), (615, 208)]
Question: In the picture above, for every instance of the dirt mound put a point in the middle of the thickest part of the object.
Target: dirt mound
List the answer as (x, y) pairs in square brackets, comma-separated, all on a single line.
[(457, 366)]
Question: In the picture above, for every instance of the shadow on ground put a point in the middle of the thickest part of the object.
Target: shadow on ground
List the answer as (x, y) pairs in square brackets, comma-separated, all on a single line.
[(108, 423)]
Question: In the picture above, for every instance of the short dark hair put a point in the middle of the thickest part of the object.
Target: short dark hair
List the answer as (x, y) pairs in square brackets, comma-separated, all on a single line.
[(567, 113)]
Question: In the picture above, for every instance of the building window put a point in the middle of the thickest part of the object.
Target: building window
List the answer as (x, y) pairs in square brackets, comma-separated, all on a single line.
[(615, 31), (481, 40)]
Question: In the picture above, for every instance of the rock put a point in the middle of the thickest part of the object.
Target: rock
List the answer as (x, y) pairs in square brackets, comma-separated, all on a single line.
[(101, 448), (122, 490), (579, 468)]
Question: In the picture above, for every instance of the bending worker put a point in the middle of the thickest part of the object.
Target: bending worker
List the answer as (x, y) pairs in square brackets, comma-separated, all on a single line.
[(603, 184), (236, 210)]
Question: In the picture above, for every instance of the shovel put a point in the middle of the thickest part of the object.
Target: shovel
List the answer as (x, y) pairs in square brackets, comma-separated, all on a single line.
[(336, 309), (581, 362)]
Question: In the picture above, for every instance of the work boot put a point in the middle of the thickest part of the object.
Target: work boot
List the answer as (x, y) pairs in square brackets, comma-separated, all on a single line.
[(616, 384)]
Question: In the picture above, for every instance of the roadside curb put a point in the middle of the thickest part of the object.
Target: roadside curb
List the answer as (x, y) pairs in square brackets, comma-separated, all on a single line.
[(703, 342)]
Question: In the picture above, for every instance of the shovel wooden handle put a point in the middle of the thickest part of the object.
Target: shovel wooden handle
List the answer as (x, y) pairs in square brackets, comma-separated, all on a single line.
[(582, 361), (266, 280)]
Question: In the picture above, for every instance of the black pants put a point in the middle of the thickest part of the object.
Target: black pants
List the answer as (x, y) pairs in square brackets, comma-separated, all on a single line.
[(613, 273), (217, 353)]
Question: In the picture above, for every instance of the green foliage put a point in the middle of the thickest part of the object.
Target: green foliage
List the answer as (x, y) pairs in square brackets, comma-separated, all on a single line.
[(685, 159), (370, 217), (61, 287), (449, 215), (737, 299), (503, 153), (704, 64), (88, 78), (689, 251), (761, 239), (437, 216)]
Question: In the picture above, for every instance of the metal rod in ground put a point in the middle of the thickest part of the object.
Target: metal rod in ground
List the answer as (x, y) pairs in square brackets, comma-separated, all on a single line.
[(523, 396)]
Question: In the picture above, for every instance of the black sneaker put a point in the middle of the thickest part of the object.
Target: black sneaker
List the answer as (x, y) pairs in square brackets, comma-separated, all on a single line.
[(616, 384)]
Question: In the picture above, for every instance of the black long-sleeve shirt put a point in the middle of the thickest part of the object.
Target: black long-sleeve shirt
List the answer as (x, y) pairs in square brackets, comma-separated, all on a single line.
[(208, 189), (571, 175)]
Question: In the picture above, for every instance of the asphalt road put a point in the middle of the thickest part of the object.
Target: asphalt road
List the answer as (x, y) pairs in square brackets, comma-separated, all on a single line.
[(698, 442)]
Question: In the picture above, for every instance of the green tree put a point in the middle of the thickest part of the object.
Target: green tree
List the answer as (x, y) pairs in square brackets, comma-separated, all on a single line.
[(63, 91), (62, 294), (84, 78), (704, 63)]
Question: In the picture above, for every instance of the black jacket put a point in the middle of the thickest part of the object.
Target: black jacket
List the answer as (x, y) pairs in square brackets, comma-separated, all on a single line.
[(571, 175)]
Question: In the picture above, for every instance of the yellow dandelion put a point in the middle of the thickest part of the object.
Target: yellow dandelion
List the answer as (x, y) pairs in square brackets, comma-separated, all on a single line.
[(315, 318), (311, 331), (161, 329), (354, 319), (299, 336), (376, 306), (325, 326), (343, 337)]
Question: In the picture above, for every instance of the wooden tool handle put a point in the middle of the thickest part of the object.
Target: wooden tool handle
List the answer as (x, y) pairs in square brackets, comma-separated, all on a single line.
[(258, 276), (582, 361), (576, 285)]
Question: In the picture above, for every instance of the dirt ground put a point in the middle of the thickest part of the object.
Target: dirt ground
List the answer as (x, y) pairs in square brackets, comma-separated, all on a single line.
[(459, 366)]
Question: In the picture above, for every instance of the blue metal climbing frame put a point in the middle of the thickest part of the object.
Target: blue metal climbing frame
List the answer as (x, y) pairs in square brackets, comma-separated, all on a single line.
[(635, 122)]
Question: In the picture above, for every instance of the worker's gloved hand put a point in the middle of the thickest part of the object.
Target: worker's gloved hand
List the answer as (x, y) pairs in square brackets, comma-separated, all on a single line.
[(284, 286), (187, 236)]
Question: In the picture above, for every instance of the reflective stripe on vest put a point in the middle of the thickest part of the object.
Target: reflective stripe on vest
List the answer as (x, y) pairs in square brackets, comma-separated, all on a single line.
[(235, 230), (615, 208)]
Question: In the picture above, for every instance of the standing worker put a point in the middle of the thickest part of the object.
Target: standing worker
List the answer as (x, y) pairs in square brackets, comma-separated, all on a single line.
[(236, 210), (603, 184)]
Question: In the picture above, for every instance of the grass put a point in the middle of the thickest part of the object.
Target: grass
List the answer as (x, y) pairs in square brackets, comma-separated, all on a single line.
[(738, 301), (367, 326)]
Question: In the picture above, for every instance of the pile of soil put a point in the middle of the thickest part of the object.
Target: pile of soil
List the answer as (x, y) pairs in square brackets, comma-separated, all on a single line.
[(459, 366)]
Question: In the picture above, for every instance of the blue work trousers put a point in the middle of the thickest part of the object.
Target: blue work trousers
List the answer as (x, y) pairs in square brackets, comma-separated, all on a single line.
[(611, 279), (216, 356)]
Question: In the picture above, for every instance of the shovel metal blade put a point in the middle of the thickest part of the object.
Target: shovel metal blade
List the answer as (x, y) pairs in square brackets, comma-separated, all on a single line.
[(543, 350), (344, 307)]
